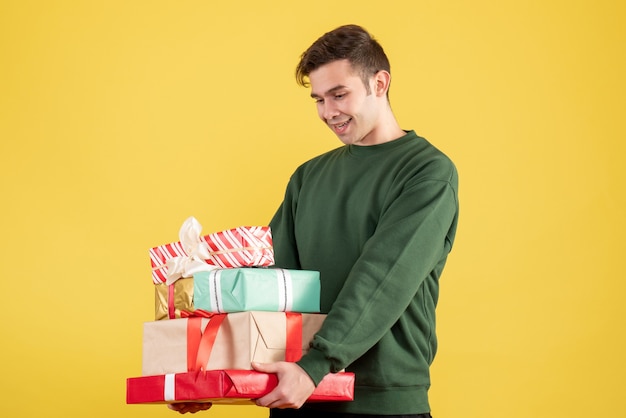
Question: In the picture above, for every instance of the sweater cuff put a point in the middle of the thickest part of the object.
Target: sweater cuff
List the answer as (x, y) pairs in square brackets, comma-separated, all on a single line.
[(315, 363)]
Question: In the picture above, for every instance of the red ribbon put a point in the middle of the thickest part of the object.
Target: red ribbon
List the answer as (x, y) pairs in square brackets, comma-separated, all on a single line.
[(198, 312), (194, 335), (293, 350), (171, 309), (200, 343), (208, 339)]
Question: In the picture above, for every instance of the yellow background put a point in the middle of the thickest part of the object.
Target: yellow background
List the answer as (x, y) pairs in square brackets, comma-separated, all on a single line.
[(119, 119)]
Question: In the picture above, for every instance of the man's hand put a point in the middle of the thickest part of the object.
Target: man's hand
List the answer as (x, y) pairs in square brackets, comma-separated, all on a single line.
[(191, 407), (293, 389)]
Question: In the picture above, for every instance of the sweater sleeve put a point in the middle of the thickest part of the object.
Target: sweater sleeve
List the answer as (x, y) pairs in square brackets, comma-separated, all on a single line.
[(411, 240), (282, 227)]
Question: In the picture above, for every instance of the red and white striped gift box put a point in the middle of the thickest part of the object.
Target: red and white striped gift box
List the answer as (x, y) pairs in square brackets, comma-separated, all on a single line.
[(244, 246)]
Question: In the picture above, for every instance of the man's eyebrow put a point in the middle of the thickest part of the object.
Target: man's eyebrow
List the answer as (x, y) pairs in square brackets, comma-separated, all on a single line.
[(330, 91)]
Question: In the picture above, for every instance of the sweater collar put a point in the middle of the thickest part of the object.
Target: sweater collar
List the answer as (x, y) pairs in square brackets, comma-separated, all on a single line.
[(365, 150)]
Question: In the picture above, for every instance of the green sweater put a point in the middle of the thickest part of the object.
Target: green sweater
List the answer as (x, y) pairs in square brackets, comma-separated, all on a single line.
[(378, 223)]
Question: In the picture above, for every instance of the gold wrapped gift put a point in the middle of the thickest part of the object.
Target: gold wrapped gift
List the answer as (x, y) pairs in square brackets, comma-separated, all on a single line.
[(170, 300)]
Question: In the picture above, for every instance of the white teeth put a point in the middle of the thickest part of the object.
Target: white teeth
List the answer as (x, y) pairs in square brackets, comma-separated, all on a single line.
[(341, 125)]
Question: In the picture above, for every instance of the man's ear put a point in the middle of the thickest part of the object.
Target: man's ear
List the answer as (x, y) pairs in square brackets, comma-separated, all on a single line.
[(382, 79)]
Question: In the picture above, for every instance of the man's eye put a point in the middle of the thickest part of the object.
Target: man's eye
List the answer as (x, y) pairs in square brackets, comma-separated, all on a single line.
[(339, 96), (319, 100)]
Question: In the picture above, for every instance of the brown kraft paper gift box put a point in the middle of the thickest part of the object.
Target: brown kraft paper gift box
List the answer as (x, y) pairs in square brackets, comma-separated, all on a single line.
[(242, 337)]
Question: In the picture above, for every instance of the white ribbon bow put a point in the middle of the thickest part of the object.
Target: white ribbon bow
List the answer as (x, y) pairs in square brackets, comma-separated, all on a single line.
[(197, 252)]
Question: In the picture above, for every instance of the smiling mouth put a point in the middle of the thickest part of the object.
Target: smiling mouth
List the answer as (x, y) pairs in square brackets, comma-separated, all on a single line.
[(341, 126)]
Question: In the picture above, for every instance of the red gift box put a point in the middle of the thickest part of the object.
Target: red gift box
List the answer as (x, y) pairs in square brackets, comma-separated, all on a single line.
[(227, 387), (245, 246)]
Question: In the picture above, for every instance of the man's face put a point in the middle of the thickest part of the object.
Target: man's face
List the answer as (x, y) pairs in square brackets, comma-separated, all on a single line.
[(344, 104)]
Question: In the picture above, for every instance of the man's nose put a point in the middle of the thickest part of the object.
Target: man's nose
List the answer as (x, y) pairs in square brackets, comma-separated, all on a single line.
[(330, 110)]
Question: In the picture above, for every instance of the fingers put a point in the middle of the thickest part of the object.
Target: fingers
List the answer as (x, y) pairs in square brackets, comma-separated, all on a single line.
[(271, 398), (293, 389), (281, 399), (189, 407), (264, 367)]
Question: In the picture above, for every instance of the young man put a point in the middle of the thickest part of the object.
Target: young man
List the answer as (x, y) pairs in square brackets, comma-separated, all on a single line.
[(377, 217)]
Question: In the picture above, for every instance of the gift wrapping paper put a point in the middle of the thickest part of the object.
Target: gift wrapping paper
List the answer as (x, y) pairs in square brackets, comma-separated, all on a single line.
[(245, 246), (226, 387), (172, 346), (170, 301), (257, 289)]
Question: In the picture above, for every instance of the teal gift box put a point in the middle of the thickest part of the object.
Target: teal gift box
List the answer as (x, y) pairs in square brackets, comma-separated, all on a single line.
[(257, 289)]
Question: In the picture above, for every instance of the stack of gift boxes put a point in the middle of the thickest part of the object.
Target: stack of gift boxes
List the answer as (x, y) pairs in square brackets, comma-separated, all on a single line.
[(219, 306)]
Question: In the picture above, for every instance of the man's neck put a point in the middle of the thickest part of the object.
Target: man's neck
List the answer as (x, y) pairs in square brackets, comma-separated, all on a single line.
[(386, 130)]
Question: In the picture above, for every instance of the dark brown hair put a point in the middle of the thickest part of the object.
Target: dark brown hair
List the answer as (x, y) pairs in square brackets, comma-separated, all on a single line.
[(350, 42)]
